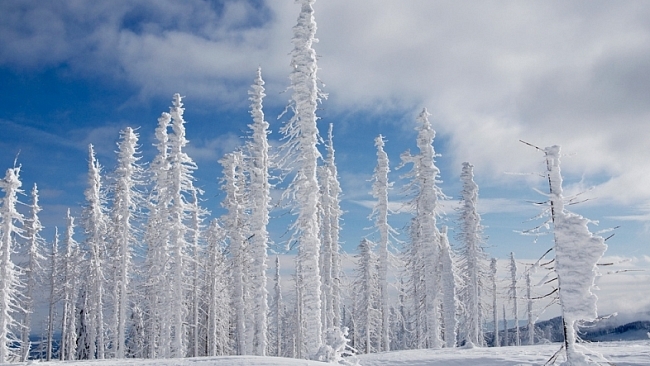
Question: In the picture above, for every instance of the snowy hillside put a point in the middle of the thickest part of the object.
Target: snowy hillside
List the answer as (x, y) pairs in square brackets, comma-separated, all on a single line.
[(619, 353)]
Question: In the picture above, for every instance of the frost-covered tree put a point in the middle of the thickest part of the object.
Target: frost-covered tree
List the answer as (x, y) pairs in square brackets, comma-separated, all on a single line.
[(127, 198), (301, 136), (512, 293), (276, 314), (196, 325), (54, 275), (448, 283), (218, 296), (366, 315), (157, 242), (380, 188), (577, 252), (530, 328), (9, 272), (70, 288), (257, 167), (472, 257), (495, 309), (34, 268), (330, 261), (181, 187), (234, 226), (424, 254), (95, 225)]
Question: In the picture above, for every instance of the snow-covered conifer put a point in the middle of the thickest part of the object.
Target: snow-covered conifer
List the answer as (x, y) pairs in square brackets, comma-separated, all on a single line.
[(495, 309), (275, 333), (157, 240), (425, 236), (473, 258), (512, 292), (54, 275), (380, 212), (330, 217), (127, 198), (234, 222), (448, 282), (33, 269), (529, 311), (9, 281), (181, 187), (577, 252), (366, 315), (301, 134), (506, 341), (71, 281), (259, 201), (218, 296), (95, 225)]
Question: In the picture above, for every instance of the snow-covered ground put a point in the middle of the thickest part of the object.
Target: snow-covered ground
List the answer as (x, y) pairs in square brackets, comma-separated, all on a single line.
[(635, 353)]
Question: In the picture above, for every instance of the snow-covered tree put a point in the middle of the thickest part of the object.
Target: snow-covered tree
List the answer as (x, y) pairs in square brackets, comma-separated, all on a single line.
[(366, 315), (54, 275), (301, 136), (577, 252), (495, 309), (95, 225), (157, 242), (34, 268), (380, 212), (512, 293), (276, 314), (234, 226), (529, 311), (257, 168), (448, 285), (181, 187), (127, 198), (9, 272), (472, 257), (195, 321), (330, 218), (424, 254), (218, 296), (70, 273)]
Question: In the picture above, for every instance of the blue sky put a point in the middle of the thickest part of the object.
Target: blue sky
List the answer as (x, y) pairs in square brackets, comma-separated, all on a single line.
[(574, 74)]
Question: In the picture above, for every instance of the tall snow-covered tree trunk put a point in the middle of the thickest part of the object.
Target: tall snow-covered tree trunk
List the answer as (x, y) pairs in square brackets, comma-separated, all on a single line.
[(218, 301), (95, 225), (52, 300), (330, 217), (196, 225), (70, 264), (472, 254), (425, 234), (157, 239), (9, 281), (180, 189), (529, 311), (234, 228), (495, 309), (448, 282), (577, 252), (302, 137), (126, 200), (33, 268), (277, 314), (365, 315), (380, 189), (259, 197), (514, 298)]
